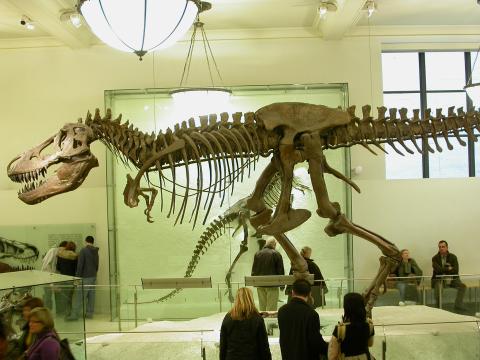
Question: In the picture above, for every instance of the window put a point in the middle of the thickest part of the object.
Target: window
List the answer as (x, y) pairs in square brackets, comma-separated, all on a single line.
[(429, 80)]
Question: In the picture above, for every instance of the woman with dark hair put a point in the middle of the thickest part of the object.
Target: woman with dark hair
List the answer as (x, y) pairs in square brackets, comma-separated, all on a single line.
[(47, 344), (243, 335), (354, 335)]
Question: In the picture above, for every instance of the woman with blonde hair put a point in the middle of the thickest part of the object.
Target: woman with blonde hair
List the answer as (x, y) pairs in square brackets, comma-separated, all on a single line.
[(243, 335), (47, 344)]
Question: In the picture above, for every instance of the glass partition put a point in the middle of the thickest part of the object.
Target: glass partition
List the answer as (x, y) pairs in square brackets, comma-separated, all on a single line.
[(166, 247), (18, 287), (421, 331)]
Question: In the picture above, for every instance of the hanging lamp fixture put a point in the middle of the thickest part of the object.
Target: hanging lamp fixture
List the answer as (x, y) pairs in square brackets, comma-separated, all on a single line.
[(139, 26), (473, 89), (205, 95)]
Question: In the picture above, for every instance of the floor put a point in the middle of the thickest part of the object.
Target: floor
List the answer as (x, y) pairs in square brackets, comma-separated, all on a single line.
[(413, 332)]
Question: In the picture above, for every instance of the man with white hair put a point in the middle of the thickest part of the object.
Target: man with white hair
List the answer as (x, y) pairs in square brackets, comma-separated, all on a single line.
[(268, 261)]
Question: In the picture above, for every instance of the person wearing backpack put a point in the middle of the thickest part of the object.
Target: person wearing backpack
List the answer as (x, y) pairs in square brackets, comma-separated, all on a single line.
[(354, 335), (46, 345)]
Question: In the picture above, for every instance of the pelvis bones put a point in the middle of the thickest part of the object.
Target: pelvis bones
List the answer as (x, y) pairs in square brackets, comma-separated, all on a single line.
[(288, 133)]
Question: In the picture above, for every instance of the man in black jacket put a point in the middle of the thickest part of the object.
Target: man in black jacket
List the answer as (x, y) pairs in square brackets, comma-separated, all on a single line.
[(268, 261), (299, 324), (446, 263)]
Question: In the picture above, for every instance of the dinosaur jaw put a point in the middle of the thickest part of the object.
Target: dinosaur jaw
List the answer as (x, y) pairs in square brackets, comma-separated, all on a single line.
[(37, 187)]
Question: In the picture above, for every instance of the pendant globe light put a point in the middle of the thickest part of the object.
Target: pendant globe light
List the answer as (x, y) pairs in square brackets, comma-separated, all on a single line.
[(201, 99), (139, 26)]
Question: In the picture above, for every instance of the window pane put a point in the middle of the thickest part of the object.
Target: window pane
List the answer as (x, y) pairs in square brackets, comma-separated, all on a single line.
[(403, 167), (408, 166), (445, 70), (409, 101), (476, 70), (445, 100), (448, 163), (400, 71)]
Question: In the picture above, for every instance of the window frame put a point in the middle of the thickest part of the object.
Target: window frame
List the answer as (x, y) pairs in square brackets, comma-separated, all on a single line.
[(423, 92)]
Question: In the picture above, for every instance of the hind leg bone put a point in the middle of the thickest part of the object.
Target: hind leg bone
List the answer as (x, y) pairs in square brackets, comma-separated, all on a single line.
[(339, 223)]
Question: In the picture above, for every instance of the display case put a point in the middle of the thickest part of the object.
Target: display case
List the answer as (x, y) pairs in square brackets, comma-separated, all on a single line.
[(58, 293)]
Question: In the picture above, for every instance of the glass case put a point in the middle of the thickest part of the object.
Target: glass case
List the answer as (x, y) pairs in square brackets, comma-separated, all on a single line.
[(59, 293)]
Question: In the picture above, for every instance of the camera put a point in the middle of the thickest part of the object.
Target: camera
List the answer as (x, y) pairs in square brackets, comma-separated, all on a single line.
[(23, 22)]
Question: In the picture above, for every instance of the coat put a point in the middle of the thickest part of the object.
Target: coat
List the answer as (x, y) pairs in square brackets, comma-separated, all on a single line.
[(410, 267), (267, 261), (439, 269), (319, 289), (67, 262), (87, 264), (45, 347), (300, 337), (244, 339)]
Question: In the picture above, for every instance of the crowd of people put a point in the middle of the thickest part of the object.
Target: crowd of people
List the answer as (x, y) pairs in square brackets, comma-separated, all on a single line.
[(268, 261), (37, 340), (243, 334), (66, 261)]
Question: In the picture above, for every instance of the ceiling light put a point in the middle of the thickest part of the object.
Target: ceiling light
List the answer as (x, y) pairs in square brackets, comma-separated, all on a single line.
[(325, 7), (473, 89), (370, 7), (322, 10), (27, 22), (203, 98), (76, 20), (139, 26), (71, 15)]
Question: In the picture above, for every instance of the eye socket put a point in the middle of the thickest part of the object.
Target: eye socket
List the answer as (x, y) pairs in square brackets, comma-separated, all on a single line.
[(76, 143), (62, 136)]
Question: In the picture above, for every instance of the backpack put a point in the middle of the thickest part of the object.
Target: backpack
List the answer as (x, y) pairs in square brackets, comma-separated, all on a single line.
[(341, 332), (65, 351)]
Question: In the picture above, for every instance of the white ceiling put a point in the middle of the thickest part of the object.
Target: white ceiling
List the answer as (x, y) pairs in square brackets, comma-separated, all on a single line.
[(250, 14)]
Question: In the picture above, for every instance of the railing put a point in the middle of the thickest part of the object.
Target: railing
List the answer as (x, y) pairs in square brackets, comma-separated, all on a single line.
[(134, 320)]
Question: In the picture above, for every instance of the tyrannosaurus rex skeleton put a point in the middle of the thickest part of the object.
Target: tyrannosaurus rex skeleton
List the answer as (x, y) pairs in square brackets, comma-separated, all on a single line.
[(288, 132)]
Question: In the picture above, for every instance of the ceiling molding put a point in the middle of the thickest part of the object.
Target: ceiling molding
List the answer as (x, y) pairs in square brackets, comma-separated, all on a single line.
[(419, 30)]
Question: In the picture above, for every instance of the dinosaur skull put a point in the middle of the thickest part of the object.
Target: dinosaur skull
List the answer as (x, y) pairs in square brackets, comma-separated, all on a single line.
[(17, 250), (70, 148)]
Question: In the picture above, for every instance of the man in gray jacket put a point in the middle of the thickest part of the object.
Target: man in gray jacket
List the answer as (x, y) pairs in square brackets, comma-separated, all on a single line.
[(268, 261), (87, 267)]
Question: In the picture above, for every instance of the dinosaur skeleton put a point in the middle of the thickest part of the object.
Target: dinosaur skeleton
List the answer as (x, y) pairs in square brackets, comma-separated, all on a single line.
[(290, 133), (11, 304), (237, 214)]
